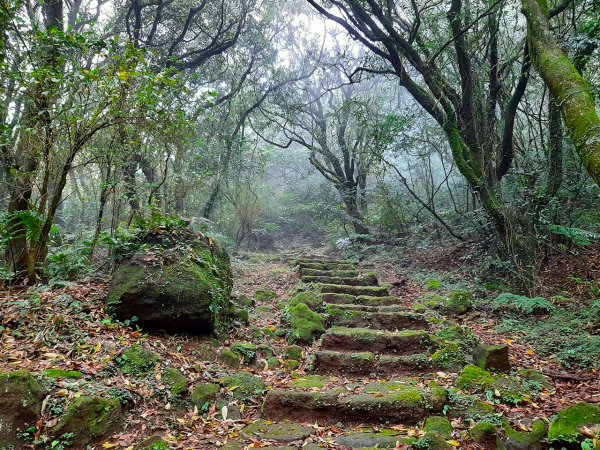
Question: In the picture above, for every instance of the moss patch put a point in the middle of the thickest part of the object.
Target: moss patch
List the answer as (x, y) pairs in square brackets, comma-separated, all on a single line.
[(137, 360), (565, 427), (246, 351), (312, 299), (305, 324), (458, 302), (264, 295), (177, 383), (244, 385), (205, 393), (310, 382), (525, 439), (473, 377), (227, 357), (153, 443), (58, 373), (89, 419), (451, 357), (280, 432)]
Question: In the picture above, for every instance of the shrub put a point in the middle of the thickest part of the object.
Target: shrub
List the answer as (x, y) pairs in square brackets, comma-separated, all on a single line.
[(522, 305)]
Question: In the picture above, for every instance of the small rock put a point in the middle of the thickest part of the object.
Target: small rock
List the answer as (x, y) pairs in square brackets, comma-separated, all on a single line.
[(492, 357), (565, 429), (205, 393), (227, 357), (176, 382), (90, 419), (20, 406), (137, 360)]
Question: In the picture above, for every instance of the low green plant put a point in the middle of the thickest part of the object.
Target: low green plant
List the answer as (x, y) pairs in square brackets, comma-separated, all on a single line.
[(522, 304)]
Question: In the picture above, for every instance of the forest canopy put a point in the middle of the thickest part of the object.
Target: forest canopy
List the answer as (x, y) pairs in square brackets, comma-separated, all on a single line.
[(261, 122)]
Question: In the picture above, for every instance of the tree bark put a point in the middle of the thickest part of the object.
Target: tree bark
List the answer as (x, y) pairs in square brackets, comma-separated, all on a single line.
[(572, 93)]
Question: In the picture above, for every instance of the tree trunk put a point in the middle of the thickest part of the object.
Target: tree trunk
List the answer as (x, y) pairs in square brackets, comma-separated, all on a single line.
[(568, 87)]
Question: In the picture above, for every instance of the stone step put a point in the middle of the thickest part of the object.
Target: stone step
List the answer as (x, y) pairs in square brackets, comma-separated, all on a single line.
[(376, 320), (404, 404), (369, 308), (363, 300), (345, 281), (329, 273), (406, 342), (327, 265), (373, 291), (367, 364)]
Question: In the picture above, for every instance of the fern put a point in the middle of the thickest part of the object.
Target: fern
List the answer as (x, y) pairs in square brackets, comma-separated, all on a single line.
[(578, 236), (11, 224), (522, 304)]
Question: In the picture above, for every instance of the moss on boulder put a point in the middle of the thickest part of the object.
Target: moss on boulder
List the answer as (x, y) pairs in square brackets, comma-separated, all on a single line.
[(177, 382), (565, 428), (451, 357), (484, 432), (305, 324), (312, 299), (21, 397), (458, 302), (245, 350), (437, 431), (90, 419), (244, 385), (476, 378), (228, 358), (178, 281), (524, 440), (293, 352), (204, 393), (138, 360), (537, 377)]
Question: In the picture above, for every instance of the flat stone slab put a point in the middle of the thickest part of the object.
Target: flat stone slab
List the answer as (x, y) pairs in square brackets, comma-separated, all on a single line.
[(406, 405), (374, 291), (368, 308), (375, 320), (327, 265), (364, 300), (369, 438), (329, 273), (404, 342), (346, 281), (279, 432), (366, 363)]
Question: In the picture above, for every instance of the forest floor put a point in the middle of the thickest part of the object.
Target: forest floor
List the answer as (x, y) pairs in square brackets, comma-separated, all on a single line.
[(65, 327)]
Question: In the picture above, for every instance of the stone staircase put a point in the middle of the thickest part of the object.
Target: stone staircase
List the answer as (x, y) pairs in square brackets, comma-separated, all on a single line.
[(371, 339)]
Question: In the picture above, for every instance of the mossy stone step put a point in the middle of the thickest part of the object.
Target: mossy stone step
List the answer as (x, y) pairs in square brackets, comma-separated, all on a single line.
[(328, 273), (279, 432), (404, 342), (346, 281), (373, 291), (327, 265), (372, 438), (405, 404), (369, 308), (364, 300), (375, 320), (330, 362)]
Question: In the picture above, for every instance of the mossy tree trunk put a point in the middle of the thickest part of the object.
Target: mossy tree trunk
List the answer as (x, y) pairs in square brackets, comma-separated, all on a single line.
[(570, 90)]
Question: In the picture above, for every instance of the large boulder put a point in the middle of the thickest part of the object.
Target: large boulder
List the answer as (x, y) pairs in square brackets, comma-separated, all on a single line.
[(21, 397), (177, 281)]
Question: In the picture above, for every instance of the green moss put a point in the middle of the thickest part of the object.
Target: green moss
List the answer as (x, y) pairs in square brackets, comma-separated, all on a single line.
[(434, 284), (244, 385), (177, 383), (293, 352), (473, 377), (408, 396), (291, 364), (438, 425), (265, 350), (312, 299), (90, 418), (204, 393), (227, 357), (20, 405), (153, 443), (459, 302), (58, 373), (483, 432), (137, 360), (451, 357), (567, 423), (245, 351), (525, 439), (272, 362), (305, 324), (264, 295), (310, 382), (460, 335), (436, 397), (283, 432)]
